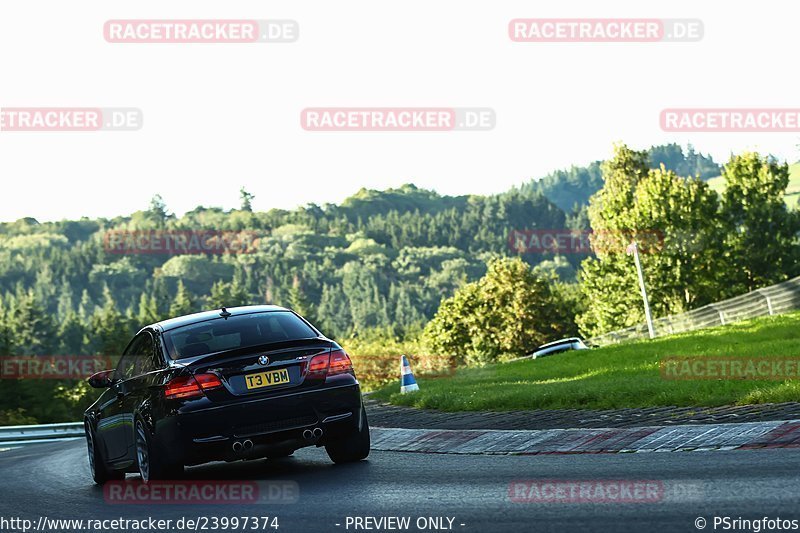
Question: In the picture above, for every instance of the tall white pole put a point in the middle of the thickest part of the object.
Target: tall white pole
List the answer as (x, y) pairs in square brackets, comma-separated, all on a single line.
[(644, 291)]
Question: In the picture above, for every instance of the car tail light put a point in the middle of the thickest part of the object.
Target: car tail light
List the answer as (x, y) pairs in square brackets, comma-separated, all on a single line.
[(191, 386), (208, 381), (318, 366), (337, 362), (340, 363)]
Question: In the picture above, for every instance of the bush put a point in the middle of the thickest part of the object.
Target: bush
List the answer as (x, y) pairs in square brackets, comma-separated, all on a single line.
[(509, 312), (15, 417)]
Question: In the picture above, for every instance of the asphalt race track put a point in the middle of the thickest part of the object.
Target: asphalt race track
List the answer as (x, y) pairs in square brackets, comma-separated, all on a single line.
[(52, 480)]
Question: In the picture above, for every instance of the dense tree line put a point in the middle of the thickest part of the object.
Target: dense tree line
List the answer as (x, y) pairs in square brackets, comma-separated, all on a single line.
[(571, 189), (380, 259), (405, 267)]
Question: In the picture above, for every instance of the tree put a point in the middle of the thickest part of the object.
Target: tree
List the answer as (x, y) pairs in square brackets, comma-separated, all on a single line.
[(71, 335), (227, 294), (182, 305), (333, 311), (761, 239), (297, 299), (247, 200), (692, 164), (362, 284), (110, 330), (148, 310), (6, 342), (86, 306), (239, 295), (65, 297), (621, 174), (680, 218), (32, 329), (161, 297), (674, 222), (158, 212), (508, 312), (557, 267), (405, 315)]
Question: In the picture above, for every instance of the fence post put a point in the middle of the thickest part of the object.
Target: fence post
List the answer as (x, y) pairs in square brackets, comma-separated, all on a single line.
[(769, 302), (721, 314), (634, 249)]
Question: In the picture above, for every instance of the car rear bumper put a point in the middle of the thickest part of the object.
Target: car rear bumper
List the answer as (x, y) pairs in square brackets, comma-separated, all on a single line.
[(273, 424)]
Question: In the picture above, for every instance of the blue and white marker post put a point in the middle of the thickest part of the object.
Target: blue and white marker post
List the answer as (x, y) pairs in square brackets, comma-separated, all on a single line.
[(407, 381)]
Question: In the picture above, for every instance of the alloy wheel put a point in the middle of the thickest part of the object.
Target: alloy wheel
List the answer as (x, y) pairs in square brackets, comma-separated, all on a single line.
[(90, 448), (142, 453)]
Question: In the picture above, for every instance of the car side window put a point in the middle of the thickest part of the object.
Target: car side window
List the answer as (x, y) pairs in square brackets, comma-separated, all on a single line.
[(127, 364), (145, 360), (158, 353)]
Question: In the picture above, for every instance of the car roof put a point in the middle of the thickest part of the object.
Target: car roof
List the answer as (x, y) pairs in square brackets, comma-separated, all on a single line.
[(560, 341), (172, 323)]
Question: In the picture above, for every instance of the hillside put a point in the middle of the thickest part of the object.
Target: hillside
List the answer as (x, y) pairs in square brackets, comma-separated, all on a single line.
[(381, 259), (574, 187)]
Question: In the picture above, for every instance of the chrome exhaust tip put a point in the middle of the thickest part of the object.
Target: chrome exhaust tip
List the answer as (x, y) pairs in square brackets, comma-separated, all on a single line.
[(308, 434), (237, 446), (317, 433), (248, 444)]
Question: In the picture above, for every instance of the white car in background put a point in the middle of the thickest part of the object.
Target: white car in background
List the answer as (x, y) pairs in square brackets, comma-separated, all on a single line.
[(562, 345)]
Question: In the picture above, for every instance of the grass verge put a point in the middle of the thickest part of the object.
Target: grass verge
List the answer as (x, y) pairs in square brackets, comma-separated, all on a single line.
[(619, 376)]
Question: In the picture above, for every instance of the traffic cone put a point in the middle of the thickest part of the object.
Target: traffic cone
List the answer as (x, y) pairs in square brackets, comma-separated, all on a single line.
[(407, 381)]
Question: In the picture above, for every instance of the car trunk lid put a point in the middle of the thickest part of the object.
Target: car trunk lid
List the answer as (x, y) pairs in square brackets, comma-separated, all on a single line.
[(260, 370)]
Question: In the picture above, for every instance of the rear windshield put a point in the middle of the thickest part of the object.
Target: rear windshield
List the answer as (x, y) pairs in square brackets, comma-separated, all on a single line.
[(242, 331)]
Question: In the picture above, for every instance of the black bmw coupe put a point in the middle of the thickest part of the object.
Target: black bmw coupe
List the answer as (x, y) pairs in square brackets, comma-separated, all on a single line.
[(241, 383)]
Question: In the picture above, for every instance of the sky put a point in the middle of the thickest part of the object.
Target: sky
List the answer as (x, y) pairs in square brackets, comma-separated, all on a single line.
[(217, 117)]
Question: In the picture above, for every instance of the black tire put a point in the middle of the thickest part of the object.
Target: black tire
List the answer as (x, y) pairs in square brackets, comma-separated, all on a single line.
[(151, 467), (97, 465), (353, 447)]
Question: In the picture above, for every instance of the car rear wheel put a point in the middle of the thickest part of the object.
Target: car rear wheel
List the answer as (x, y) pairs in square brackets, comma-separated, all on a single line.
[(97, 466), (151, 467), (353, 447)]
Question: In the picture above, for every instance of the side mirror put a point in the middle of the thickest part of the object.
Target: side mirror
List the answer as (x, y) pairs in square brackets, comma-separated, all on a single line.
[(101, 380)]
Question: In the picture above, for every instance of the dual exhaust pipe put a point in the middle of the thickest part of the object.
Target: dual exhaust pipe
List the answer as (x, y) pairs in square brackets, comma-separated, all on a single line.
[(247, 444), (312, 435), (244, 445)]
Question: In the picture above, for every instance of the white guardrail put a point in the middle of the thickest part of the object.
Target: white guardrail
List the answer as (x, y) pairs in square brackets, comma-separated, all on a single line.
[(774, 300), (69, 430)]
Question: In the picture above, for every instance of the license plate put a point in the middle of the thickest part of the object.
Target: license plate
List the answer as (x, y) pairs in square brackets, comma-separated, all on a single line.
[(267, 379)]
